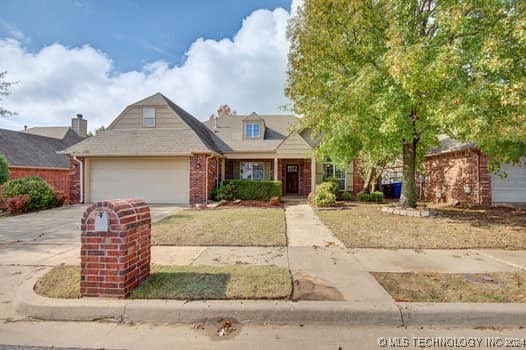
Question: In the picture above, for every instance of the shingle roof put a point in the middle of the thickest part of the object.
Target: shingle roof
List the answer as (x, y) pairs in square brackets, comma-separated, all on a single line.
[(26, 149), (161, 141), (229, 129), (135, 142), (449, 144), (56, 132)]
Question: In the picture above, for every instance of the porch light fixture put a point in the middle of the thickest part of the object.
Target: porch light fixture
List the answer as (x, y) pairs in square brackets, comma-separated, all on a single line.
[(198, 166), (467, 189)]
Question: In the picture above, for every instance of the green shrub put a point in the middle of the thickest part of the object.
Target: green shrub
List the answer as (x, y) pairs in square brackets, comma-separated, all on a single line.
[(335, 184), (310, 197), (4, 170), (41, 192), (250, 190), (328, 186), (346, 196), (324, 195), (224, 192), (377, 197)]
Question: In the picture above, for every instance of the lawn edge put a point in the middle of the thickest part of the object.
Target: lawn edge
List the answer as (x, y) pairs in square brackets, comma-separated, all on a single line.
[(32, 305)]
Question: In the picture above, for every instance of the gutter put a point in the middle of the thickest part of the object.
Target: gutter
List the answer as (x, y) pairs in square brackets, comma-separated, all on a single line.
[(81, 171)]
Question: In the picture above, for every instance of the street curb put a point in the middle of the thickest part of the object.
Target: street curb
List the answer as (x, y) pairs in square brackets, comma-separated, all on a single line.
[(29, 304), (463, 314)]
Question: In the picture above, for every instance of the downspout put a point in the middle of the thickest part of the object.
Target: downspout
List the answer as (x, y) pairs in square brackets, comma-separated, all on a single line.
[(206, 176), (478, 177), (81, 175)]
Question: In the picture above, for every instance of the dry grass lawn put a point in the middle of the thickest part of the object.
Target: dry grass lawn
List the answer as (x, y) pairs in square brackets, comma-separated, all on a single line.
[(223, 227), (503, 287), (184, 283), (365, 226)]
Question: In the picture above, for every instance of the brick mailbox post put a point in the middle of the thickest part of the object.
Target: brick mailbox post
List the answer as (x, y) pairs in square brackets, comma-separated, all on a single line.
[(115, 248)]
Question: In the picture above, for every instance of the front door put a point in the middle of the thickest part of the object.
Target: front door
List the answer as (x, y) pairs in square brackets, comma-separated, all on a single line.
[(292, 178)]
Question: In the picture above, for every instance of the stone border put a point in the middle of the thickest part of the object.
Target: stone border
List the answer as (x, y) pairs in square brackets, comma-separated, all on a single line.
[(249, 311), (407, 211)]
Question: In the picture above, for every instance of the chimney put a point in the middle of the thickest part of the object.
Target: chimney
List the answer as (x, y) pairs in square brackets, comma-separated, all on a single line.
[(80, 125), (214, 118), (25, 127)]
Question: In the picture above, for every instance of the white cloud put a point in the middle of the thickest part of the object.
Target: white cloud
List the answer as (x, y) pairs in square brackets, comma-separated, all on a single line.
[(247, 72)]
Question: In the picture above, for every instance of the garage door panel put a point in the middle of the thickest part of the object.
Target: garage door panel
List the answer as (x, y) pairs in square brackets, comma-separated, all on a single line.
[(512, 188), (155, 181)]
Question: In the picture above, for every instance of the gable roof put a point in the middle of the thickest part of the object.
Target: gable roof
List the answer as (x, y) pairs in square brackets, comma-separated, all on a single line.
[(56, 132), (151, 141), (29, 150), (449, 144), (229, 128)]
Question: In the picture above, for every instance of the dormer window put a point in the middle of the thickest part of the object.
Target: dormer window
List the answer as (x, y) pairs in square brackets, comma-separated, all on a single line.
[(148, 117), (252, 131)]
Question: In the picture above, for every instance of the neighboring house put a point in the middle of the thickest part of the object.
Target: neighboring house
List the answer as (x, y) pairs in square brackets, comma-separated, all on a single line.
[(33, 152), (458, 171), (157, 151)]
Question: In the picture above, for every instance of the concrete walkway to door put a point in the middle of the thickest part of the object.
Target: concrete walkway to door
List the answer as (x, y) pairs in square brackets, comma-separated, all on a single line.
[(321, 265)]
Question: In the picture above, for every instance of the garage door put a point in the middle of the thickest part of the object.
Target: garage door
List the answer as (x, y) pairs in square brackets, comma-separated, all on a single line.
[(153, 180), (511, 189)]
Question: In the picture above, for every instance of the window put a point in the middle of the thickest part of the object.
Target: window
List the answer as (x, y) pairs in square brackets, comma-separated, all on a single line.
[(252, 131), (251, 171), (148, 117), (330, 170)]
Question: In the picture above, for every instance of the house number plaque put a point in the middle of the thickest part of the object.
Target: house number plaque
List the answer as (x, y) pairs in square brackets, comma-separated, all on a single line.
[(101, 222)]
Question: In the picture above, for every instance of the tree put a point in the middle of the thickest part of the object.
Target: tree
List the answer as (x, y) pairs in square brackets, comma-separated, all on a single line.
[(98, 131), (4, 169), (390, 76), (225, 110), (4, 91)]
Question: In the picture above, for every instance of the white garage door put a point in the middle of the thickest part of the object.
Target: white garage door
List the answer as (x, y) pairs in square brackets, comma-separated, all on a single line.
[(511, 189), (153, 180)]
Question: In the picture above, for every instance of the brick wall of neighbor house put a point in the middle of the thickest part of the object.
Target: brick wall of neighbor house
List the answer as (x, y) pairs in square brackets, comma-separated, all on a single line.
[(304, 185), (198, 177), (448, 173), (357, 179), (74, 180), (59, 179)]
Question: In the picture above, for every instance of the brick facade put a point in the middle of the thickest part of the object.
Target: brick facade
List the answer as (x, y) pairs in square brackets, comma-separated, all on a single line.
[(115, 261), (59, 179), (449, 174), (198, 177), (74, 180)]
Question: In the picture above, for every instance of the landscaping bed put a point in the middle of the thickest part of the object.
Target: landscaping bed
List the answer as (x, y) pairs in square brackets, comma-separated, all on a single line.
[(222, 227), (365, 226), (501, 287), (184, 283)]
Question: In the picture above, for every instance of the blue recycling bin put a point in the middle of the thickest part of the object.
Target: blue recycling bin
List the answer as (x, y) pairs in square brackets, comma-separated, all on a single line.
[(397, 189)]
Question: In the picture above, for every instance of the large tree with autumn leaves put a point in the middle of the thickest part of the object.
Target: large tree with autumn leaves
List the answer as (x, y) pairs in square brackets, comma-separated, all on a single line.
[(384, 77)]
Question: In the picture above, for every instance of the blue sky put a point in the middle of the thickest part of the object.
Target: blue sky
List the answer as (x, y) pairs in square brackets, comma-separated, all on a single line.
[(132, 33), (95, 57)]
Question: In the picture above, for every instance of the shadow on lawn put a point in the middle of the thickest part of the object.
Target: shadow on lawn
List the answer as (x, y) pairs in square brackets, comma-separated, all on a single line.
[(485, 218), (183, 285)]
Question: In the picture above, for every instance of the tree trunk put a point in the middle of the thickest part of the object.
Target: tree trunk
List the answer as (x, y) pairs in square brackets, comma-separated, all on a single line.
[(368, 179), (408, 196)]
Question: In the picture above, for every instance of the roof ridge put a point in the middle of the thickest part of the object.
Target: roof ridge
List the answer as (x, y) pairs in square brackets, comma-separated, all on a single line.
[(201, 130)]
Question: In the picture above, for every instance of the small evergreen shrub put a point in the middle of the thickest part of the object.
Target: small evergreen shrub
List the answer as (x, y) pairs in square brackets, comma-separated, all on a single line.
[(4, 170), (324, 195), (224, 192), (40, 192), (249, 190), (328, 186), (377, 197), (346, 196)]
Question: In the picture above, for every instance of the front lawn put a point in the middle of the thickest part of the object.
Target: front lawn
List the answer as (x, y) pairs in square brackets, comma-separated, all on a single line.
[(184, 283), (502, 287), (365, 226), (223, 227)]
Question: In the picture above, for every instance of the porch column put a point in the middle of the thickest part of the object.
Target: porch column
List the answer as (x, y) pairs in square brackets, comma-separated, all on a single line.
[(275, 169), (313, 174), (223, 163)]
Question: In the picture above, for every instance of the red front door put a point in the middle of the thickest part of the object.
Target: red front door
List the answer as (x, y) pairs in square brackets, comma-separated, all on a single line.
[(292, 178)]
